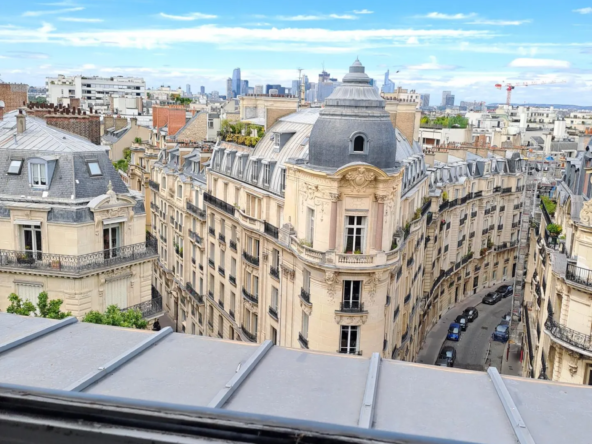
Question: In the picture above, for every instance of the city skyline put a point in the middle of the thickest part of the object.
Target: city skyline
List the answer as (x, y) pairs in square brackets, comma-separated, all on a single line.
[(467, 51)]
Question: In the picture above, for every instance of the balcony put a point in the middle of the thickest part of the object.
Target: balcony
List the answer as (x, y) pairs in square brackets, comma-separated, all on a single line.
[(194, 237), (220, 204), (154, 185), (149, 309), (303, 341), (48, 263), (487, 211), (212, 231), (497, 189), (506, 190), (500, 227), (211, 294), (471, 235), (572, 337), (351, 307), (250, 336), (232, 245), (463, 220), (515, 224), (579, 275), (491, 227), (305, 296), (253, 298), (193, 209), (502, 208), (271, 230), (275, 272), (211, 263), (221, 271), (221, 238), (198, 298), (484, 232), (473, 214), (273, 313), (253, 260)]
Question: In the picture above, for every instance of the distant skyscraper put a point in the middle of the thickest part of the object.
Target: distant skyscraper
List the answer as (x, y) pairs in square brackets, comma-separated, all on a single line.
[(388, 85), (202, 89), (324, 76), (450, 100), (251, 90), (258, 89), (425, 100), (188, 90), (244, 89), (236, 82), (306, 82), (295, 90), (229, 88), (215, 95), (445, 95), (278, 87), (324, 90)]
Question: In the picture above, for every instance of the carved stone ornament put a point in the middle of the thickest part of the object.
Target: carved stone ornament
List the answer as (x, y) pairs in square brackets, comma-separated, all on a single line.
[(372, 283), (342, 319), (381, 198), (331, 281), (334, 197), (306, 308), (586, 213), (288, 272), (265, 256), (311, 191), (360, 178)]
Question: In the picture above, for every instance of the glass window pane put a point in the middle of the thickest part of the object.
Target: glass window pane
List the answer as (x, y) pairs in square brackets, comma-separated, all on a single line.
[(94, 168), (15, 167)]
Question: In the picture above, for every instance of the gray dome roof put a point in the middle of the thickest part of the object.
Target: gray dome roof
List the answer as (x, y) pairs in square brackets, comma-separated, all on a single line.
[(354, 108)]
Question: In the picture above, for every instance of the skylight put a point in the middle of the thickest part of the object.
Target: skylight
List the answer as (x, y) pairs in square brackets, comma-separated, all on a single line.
[(15, 167), (94, 169)]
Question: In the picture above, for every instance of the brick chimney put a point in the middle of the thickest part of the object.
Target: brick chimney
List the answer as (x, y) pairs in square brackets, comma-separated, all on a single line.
[(21, 122)]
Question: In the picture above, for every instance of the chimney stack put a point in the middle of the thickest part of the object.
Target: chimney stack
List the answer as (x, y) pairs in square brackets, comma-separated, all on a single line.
[(21, 122)]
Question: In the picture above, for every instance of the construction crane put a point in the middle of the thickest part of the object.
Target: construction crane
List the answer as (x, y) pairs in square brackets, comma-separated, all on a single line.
[(510, 86)]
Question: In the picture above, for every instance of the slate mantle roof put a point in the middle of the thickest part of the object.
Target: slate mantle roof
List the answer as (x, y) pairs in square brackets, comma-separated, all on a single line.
[(71, 182)]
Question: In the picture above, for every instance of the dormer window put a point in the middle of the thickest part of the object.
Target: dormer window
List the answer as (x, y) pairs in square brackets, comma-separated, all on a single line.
[(276, 141), (15, 167), (255, 172), (94, 169), (266, 174), (358, 143), (38, 174)]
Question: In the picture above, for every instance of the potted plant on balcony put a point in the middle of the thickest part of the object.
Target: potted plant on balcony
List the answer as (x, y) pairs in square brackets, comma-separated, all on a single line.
[(445, 196), (554, 229), (489, 243), (56, 264), (483, 251), (25, 258)]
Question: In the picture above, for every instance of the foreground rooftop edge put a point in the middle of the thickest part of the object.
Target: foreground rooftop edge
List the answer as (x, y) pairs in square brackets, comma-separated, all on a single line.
[(142, 384)]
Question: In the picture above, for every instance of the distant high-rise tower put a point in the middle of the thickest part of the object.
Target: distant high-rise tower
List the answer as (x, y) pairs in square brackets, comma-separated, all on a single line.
[(324, 76), (388, 86), (258, 89), (450, 100), (425, 100), (244, 89), (202, 89), (188, 90), (445, 95), (229, 88), (236, 82), (295, 90)]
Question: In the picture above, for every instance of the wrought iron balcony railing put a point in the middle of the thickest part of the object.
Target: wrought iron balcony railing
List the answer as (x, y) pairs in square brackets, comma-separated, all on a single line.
[(579, 275), (271, 230), (250, 297), (351, 307), (303, 341), (193, 209), (81, 264), (253, 260), (274, 271), (566, 334), (148, 308), (250, 336), (220, 204), (273, 313), (305, 295), (154, 185), (198, 298), (232, 245)]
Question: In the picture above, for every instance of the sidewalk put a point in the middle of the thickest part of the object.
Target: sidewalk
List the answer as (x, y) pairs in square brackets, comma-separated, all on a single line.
[(512, 366), (437, 335)]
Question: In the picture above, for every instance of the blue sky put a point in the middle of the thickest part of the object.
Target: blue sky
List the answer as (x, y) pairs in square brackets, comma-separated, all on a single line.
[(466, 47)]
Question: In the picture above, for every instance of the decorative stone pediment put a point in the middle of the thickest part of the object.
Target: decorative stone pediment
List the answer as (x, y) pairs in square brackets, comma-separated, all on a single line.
[(111, 206), (586, 213), (351, 319), (360, 178)]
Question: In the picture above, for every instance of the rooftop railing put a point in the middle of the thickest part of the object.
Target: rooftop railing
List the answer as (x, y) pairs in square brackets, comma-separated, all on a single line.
[(149, 308)]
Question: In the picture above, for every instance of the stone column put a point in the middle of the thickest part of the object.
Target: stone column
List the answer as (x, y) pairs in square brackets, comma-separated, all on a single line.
[(379, 222), (333, 226)]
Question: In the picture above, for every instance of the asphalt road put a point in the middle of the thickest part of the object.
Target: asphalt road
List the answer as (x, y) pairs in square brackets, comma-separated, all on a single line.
[(471, 350)]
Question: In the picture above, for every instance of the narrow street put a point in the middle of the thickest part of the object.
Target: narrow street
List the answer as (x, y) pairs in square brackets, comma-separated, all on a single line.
[(472, 349)]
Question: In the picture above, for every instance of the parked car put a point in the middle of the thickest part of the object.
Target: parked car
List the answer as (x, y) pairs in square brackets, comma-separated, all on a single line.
[(505, 290), (492, 298), (463, 321), (507, 317), (448, 355), (501, 333), (471, 313), (454, 332)]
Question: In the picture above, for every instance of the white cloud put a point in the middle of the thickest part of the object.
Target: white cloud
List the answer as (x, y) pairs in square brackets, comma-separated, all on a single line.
[(362, 11), (432, 65), (80, 20), (51, 11), (583, 11), (343, 17), (539, 63), (499, 22), (189, 17), (46, 28), (412, 41), (442, 16)]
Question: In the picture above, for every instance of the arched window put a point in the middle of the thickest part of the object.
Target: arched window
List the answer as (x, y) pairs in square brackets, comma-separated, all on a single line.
[(359, 144)]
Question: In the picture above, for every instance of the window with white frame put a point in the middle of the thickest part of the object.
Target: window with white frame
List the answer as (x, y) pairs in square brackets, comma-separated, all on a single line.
[(274, 298), (179, 191), (354, 234), (93, 168), (352, 295), (350, 339), (304, 327), (31, 238), (306, 280), (38, 177), (255, 171), (276, 141), (266, 174), (283, 179)]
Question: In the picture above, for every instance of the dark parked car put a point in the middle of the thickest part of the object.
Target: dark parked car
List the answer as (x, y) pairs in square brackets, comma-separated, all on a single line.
[(463, 321), (454, 332), (492, 298), (501, 333), (448, 355), (471, 313), (505, 290)]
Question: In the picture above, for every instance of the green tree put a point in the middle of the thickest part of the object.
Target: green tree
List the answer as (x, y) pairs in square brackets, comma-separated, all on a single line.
[(114, 316), (44, 309)]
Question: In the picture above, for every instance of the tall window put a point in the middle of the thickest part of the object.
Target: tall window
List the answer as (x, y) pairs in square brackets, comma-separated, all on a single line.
[(306, 280), (232, 301), (283, 179), (232, 267), (273, 336), (31, 238), (351, 295), (350, 339), (266, 174), (179, 191), (252, 246), (111, 240), (255, 172), (275, 258), (220, 325), (354, 234), (310, 226), (304, 329), (38, 174), (276, 141), (274, 298)]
